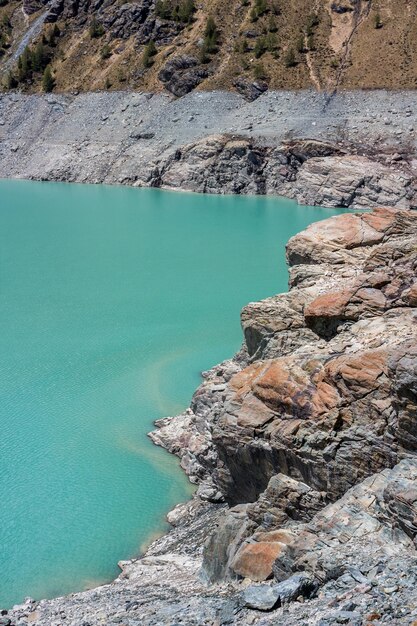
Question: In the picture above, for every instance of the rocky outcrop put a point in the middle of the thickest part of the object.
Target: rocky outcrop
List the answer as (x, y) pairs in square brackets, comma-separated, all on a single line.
[(251, 90), (181, 75), (303, 447), (325, 396)]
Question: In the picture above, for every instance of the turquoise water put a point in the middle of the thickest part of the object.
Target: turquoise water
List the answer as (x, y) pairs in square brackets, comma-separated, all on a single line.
[(112, 301)]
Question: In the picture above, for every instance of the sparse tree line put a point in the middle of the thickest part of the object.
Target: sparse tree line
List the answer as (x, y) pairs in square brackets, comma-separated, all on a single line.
[(268, 40), (35, 62), (5, 30)]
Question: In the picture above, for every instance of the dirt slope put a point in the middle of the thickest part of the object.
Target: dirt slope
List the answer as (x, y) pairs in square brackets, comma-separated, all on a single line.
[(291, 44)]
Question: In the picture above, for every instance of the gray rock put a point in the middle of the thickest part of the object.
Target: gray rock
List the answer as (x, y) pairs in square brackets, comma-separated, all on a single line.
[(181, 75), (250, 90), (260, 597), (298, 585)]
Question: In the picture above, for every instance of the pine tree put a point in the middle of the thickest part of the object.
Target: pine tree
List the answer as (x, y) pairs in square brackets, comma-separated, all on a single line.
[(105, 52), (261, 7), (96, 30), (271, 42), (186, 11), (48, 82), (289, 59), (149, 52), (211, 36), (10, 82), (55, 32), (38, 57), (24, 64), (272, 25), (301, 44), (378, 21), (163, 9), (259, 48), (259, 72)]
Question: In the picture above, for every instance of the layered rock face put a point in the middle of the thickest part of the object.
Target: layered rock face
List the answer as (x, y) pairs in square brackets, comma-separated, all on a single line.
[(303, 447), (312, 172), (322, 396)]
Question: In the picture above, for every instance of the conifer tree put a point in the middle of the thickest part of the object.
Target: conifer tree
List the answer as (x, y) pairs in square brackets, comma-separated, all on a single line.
[(48, 82), (149, 52), (290, 58)]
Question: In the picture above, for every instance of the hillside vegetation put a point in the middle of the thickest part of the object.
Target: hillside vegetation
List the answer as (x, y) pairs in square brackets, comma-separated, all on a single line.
[(181, 45)]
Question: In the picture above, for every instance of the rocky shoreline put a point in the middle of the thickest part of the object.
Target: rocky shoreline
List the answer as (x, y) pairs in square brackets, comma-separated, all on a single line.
[(352, 149), (302, 445), (303, 448)]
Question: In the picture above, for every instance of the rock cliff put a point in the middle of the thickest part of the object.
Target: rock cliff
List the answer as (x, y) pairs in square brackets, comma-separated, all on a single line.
[(303, 447)]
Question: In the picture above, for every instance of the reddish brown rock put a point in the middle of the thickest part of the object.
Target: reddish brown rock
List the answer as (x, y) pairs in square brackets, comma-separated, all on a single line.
[(323, 396), (256, 560)]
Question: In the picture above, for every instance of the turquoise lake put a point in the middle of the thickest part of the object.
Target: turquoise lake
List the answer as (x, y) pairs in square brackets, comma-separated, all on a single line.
[(112, 301)]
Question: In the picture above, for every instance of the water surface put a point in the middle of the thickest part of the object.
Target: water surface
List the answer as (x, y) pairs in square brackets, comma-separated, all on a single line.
[(112, 301)]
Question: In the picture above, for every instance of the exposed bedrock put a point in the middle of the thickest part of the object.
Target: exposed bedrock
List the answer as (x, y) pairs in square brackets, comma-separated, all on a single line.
[(354, 150), (322, 396)]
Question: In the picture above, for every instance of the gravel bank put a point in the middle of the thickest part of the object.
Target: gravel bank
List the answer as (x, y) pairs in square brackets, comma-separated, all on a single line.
[(134, 138)]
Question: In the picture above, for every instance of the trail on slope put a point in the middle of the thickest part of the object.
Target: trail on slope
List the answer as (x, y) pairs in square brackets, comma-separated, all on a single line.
[(31, 33)]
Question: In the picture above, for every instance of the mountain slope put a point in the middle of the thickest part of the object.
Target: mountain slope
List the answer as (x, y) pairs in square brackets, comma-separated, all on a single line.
[(105, 44)]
